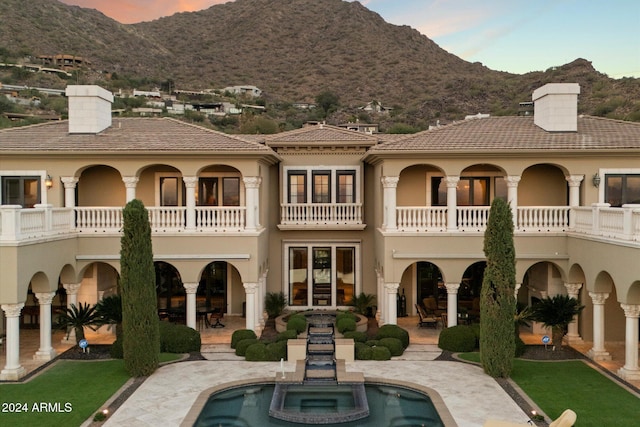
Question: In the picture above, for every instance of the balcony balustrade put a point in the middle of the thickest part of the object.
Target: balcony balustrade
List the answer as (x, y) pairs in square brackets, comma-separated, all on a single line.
[(321, 214)]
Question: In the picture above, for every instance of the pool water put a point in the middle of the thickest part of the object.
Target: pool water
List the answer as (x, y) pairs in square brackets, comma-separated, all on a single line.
[(389, 405)]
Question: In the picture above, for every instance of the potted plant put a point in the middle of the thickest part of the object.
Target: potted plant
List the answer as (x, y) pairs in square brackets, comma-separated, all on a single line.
[(556, 313)]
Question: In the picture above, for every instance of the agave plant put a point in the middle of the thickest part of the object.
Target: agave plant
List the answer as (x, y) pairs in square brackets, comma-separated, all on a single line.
[(77, 318), (556, 313), (362, 302), (109, 310)]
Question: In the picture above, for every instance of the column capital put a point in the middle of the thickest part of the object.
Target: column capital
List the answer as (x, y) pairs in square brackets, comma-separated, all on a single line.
[(573, 288), (392, 288), (71, 288), (574, 180), (452, 288), (451, 180), (45, 298), (250, 288), (513, 180), (252, 181), (190, 288), (390, 181), (69, 181), (12, 310), (631, 310), (598, 298), (130, 181), (190, 181)]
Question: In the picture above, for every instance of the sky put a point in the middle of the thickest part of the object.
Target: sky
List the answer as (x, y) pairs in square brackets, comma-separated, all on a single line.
[(516, 36)]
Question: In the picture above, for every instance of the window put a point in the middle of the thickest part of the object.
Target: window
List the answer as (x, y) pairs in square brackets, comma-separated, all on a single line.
[(208, 191), (297, 187), (473, 192), (321, 187), (621, 189), (298, 283), (231, 191), (21, 190), (345, 275), (346, 189), (169, 191)]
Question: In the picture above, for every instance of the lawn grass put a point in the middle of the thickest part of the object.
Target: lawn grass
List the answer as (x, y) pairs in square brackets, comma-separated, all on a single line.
[(64, 395), (556, 386)]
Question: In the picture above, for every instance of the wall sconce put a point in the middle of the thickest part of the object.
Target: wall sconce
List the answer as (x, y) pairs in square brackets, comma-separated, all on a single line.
[(596, 180), (48, 182)]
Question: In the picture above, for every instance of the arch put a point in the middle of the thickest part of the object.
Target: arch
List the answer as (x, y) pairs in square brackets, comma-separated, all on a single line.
[(603, 283), (420, 281), (170, 290), (414, 187), (542, 279), (633, 294), (543, 184), (68, 274), (93, 179), (40, 283), (576, 275)]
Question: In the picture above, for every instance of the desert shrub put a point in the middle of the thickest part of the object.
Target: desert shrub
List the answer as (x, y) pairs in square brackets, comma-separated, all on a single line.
[(297, 322), (363, 351), (394, 331), (356, 335), (277, 350), (116, 351), (346, 325), (289, 334), (393, 344), (178, 338), (241, 334), (242, 346), (460, 338), (256, 352), (380, 353)]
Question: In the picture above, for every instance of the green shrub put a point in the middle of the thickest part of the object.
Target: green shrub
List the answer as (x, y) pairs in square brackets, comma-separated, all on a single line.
[(356, 335), (459, 339), (345, 315), (116, 351), (363, 351), (372, 343), (256, 352), (394, 331), (393, 344), (297, 322), (380, 353), (277, 350), (241, 334), (241, 347), (289, 334), (346, 325), (520, 346), (178, 338)]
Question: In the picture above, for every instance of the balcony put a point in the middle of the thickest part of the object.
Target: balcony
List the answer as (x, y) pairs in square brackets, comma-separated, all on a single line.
[(334, 216)]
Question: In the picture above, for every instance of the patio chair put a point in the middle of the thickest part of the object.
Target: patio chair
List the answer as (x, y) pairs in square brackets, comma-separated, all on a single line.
[(566, 419), (424, 319)]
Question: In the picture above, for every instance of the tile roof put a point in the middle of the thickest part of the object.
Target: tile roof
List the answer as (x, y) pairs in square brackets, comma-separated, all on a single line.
[(517, 133), (126, 134), (320, 135)]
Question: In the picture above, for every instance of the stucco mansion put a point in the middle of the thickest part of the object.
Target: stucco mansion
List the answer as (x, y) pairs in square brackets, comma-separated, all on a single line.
[(322, 214)]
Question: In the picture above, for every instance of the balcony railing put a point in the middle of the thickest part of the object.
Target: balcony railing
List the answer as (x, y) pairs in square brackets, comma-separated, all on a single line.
[(419, 218), (321, 214)]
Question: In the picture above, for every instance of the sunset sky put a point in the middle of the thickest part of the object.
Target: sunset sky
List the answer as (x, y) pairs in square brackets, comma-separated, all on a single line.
[(506, 35)]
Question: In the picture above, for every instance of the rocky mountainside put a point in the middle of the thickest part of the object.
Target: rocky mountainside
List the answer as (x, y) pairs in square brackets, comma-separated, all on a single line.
[(293, 50)]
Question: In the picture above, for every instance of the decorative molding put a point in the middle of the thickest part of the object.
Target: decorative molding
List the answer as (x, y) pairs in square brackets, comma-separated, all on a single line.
[(190, 288), (452, 288), (598, 298), (631, 310), (390, 181), (45, 298), (12, 310)]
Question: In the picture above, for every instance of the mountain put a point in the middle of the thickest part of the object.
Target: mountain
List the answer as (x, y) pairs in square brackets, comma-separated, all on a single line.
[(294, 50)]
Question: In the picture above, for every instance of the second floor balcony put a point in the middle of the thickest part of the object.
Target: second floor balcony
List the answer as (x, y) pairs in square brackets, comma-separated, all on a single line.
[(325, 215)]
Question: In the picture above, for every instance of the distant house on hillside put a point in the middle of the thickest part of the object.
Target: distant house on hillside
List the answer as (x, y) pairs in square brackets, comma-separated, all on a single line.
[(243, 90), (375, 107), (361, 127)]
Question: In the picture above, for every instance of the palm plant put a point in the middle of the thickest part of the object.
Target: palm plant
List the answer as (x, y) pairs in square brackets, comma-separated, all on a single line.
[(109, 310), (362, 302), (77, 318), (274, 304), (556, 313)]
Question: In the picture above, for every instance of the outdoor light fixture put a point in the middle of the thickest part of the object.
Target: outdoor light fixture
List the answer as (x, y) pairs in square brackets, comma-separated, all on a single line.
[(48, 182), (596, 180)]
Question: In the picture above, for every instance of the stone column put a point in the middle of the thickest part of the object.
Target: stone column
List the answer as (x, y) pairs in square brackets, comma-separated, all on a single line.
[(391, 293), (45, 352), (573, 290), (512, 197), (598, 352), (250, 293), (72, 299), (12, 369), (390, 184), (252, 201), (191, 289), (452, 303), (69, 183), (190, 183), (452, 202), (130, 183), (574, 196), (630, 370)]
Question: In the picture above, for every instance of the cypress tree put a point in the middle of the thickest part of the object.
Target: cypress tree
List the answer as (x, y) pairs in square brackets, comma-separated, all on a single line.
[(141, 336), (497, 299)]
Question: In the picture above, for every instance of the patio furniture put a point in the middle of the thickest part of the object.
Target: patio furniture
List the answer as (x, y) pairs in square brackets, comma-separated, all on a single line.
[(425, 319), (216, 314)]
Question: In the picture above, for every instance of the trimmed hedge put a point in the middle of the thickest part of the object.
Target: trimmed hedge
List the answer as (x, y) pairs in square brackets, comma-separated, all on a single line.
[(289, 334), (458, 339), (176, 338), (241, 347), (241, 334), (393, 344), (345, 315), (380, 353), (363, 351), (356, 335), (116, 351), (372, 343), (297, 322), (393, 331), (277, 350), (346, 324), (256, 352)]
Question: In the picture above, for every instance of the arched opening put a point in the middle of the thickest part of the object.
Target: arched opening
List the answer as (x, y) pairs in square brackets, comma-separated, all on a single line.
[(431, 292), (469, 291), (171, 293), (212, 289)]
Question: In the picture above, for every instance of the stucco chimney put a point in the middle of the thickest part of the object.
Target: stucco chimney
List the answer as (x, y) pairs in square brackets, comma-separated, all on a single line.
[(89, 108), (556, 107)]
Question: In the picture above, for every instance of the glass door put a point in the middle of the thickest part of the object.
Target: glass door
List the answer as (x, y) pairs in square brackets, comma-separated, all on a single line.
[(322, 276)]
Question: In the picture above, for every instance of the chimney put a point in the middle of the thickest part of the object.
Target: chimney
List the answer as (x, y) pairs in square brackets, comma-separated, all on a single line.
[(556, 107), (89, 108)]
